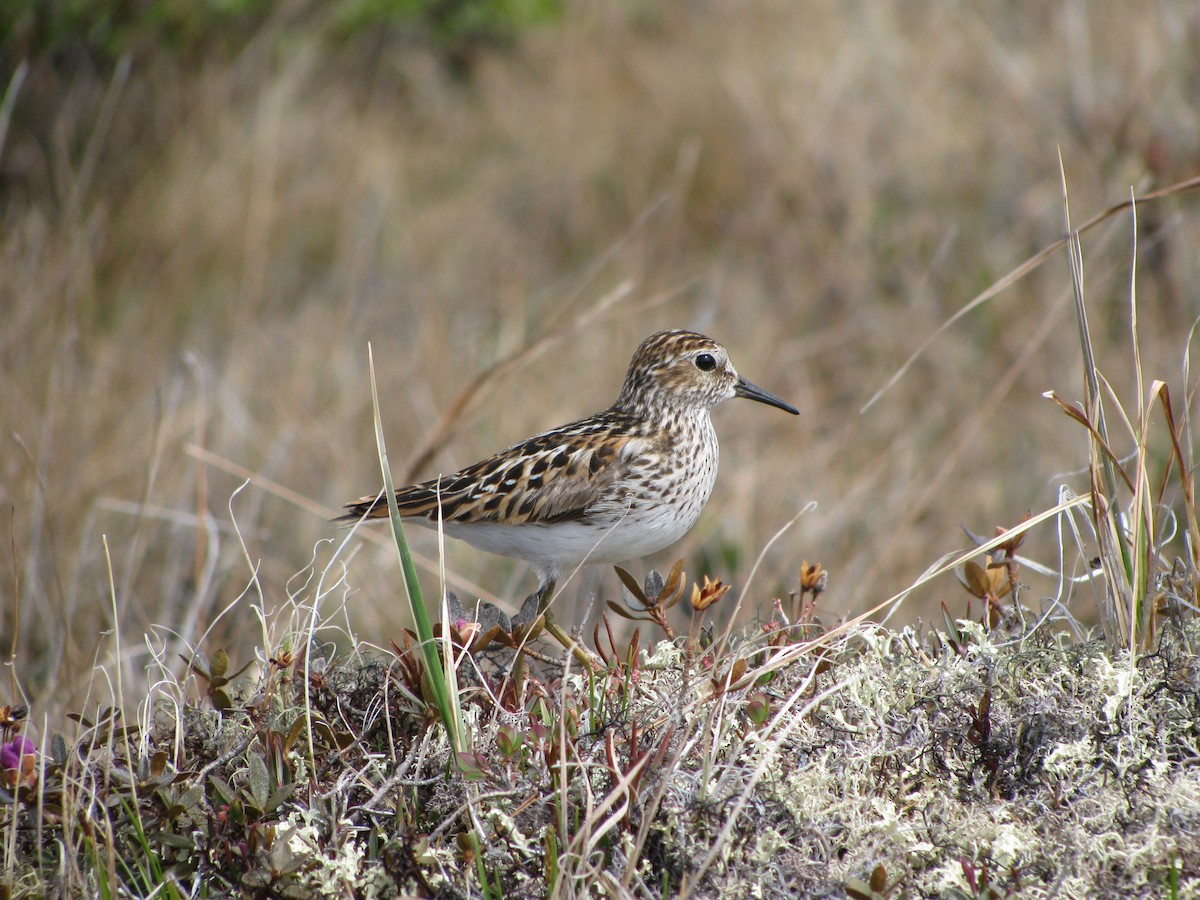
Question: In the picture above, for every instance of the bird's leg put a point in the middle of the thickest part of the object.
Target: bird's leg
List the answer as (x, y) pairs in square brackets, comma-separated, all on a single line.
[(535, 604), (543, 596), (545, 593)]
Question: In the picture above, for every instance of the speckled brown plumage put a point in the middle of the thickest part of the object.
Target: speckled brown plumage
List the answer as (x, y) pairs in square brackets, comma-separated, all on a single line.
[(615, 486)]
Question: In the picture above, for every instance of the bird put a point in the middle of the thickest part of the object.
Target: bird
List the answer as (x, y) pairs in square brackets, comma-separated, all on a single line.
[(615, 486)]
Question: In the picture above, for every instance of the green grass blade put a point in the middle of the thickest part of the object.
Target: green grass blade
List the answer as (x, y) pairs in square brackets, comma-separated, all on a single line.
[(439, 679)]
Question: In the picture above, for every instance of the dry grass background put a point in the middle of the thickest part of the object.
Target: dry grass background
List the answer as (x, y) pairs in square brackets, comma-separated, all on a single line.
[(198, 255)]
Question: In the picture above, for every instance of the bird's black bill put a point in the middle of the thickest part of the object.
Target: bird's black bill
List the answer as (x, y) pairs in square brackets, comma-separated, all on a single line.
[(753, 392)]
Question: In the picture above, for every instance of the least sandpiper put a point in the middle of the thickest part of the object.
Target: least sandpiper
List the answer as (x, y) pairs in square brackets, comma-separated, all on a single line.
[(615, 486)]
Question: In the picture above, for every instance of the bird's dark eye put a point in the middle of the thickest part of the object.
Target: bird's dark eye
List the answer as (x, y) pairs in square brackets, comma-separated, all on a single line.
[(706, 362)]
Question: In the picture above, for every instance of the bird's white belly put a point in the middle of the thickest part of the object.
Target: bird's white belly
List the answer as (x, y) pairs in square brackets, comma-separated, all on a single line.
[(648, 510), (638, 529), (567, 544)]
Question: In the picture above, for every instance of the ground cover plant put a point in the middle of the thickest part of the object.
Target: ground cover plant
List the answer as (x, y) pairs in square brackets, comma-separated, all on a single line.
[(210, 691)]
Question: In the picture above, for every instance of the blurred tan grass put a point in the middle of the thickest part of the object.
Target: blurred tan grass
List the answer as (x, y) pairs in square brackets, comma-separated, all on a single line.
[(201, 259)]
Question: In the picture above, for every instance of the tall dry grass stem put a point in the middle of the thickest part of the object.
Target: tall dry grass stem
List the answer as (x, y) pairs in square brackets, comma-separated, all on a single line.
[(1127, 512)]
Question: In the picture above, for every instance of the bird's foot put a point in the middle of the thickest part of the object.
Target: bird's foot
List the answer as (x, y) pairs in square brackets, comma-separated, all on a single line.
[(537, 605)]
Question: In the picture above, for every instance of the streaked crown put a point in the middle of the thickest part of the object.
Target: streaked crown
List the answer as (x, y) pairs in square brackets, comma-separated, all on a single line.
[(677, 369)]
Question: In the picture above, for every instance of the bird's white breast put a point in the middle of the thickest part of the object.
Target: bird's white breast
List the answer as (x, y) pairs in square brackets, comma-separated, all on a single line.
[(656, 503)]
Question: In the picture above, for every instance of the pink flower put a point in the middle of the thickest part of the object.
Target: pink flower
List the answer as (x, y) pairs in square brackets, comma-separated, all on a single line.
[(17, 759)]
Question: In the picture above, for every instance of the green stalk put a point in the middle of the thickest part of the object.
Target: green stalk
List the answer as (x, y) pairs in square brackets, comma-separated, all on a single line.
[(445, 694)]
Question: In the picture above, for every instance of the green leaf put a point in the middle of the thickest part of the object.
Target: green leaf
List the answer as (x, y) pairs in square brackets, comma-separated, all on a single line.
[(508, 740), (280, 796), (224, 791), (473, 766), (178, 841), (551, 857), (260, 781), (191, 799), (858, 889), (956, 638), (293, 733), (759, 709)]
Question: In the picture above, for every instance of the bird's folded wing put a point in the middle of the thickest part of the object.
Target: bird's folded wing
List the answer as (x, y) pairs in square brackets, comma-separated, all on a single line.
[(554, 477)]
